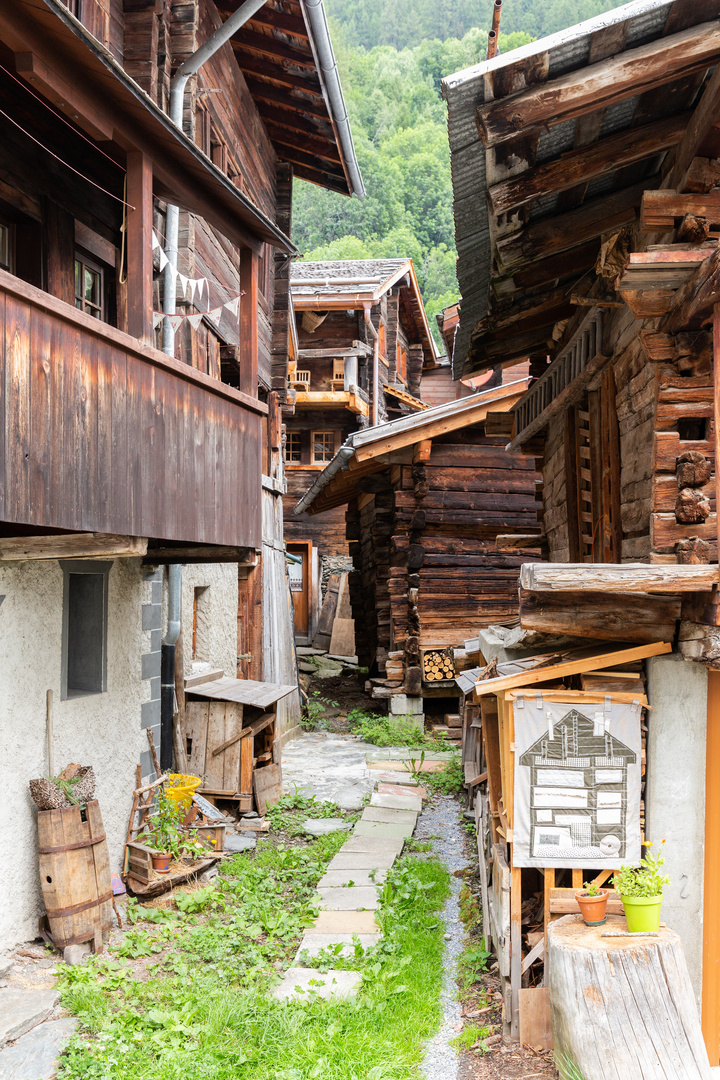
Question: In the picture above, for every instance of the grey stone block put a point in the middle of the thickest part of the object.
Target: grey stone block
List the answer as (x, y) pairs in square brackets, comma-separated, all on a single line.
[(155, 688), (322, 826), (157, 592), (75, 954), (34, 1056), (155, 640), (150, 665), (302, 984), (151, 616), (150, 714), (240, 843), (146, 764), (355, 898), (21, 1010)]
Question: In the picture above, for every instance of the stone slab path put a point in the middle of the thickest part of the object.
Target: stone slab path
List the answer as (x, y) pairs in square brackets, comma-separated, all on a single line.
[(348, 894)]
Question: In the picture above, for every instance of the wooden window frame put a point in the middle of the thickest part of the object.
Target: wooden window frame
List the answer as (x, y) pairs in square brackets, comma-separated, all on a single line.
[(88, 262), (8, 229), (401, 363), (322, 433), (75, 569), (291, 438)]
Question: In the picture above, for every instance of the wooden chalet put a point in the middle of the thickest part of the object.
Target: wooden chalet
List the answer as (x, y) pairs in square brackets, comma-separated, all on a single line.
[(363, 344), (121, 456), (587, 210), (426, 497)]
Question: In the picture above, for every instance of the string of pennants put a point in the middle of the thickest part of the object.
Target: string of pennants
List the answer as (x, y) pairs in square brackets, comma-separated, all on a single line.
[(196, 287)]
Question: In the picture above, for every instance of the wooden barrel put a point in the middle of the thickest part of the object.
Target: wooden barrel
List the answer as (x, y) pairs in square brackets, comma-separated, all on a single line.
[(622, 1006), (75, 874)]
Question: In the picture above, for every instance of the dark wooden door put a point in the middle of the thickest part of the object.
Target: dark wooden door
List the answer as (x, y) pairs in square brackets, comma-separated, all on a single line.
[(299, 574)]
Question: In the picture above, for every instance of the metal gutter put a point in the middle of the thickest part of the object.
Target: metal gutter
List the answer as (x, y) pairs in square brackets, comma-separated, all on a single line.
[(321, 45), (338, 464)]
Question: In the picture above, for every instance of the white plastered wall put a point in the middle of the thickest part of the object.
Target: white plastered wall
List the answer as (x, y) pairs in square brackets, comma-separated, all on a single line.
[(102, 730), (217, 615)]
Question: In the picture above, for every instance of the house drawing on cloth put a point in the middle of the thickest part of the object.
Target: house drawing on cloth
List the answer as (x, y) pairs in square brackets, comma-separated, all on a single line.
[(578, 790)]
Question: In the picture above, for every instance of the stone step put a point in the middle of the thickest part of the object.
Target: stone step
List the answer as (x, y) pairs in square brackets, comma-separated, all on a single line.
[(387, 801), (393, 788), (332, 879), (34, 1056), (383, 830), (402, 754), (344, 922), (400, 766), (378, 846), (323, 826), (302, 984), (354, 898), (21, 1010), (386, 776), (361, 861), (312, 944), (389, 816)]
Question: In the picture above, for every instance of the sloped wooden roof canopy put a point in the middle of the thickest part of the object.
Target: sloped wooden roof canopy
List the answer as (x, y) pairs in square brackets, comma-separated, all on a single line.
[(277, 56), (371, 450), (77, 75), (552, 146)]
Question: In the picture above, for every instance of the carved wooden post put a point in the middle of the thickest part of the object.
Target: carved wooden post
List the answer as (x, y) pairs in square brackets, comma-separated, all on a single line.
[(249, 263), (139, 247), (627, 1001)]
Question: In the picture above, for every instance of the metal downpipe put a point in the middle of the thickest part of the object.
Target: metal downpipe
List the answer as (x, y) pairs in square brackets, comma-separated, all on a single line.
[(167, 665)]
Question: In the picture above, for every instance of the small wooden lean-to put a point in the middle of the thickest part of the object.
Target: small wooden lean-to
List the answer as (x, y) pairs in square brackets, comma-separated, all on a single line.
[(623, 1006)]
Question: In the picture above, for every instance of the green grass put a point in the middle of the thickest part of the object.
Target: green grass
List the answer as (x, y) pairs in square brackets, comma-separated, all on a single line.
[(450, 780), (204, 1011), (392, 730), (469, 1036)]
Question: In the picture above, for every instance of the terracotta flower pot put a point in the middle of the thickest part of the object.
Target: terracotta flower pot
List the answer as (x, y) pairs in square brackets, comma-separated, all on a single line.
[(161, 862), (593, 908)]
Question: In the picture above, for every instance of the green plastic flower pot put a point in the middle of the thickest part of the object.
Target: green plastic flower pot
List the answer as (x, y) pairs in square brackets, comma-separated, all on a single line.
[(642, 913)]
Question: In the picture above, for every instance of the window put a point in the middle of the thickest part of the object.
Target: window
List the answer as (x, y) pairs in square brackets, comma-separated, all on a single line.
[(293, 446), (7, 247), (382, 344), (89, 286), (323, 444), (84, 628), (401, 363), (73, 7), (200, 622)]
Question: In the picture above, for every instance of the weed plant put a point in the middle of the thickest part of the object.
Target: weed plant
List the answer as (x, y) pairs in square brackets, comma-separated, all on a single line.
[(289, 814), (198, 1002), (315, 715), (470, 1036), (391, 730), (450, 780)]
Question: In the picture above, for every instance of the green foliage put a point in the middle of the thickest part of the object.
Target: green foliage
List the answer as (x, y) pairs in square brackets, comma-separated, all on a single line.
[(450, 780), (315, 712), (470, 1036), (67, 787), (291, 811), (390, 730), (591, 888), (567, 1068), (642, 880), (392, 59), (202, 1007), (163, 832)]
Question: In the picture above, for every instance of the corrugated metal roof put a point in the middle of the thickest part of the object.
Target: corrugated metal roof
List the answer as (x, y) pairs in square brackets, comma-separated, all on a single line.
[(464, 91)]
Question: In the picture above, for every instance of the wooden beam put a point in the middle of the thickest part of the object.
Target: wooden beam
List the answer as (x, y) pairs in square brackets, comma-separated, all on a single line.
[(277, 74), (266, 92), (567, 397), (666, 579), (700, 124), (199, 553), (660, 209), (315, 145), (520, 541), (693, 304), (71, 546), (602, 616), (665, 268), (248, 374), (422, 451), (576, 166), (273, 48), (600, 85), (563, 231), (716, 399), (139, 247), (551, 672)]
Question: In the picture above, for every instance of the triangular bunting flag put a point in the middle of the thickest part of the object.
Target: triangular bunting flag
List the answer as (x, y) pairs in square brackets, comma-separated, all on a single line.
[(195, 320), (157, 319), (175, 320), (201, 283), (163, 259), (155, 241), (232, 305), (183, 283), (216, 312), (192, 282)]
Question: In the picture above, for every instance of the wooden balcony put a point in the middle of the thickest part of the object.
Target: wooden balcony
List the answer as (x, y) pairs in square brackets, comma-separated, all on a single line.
[(354, 400), (100, 433)]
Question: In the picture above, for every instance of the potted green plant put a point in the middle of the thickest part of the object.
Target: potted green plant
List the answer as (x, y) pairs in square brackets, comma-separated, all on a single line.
[(165, 836), (592, 901), (641, 889)]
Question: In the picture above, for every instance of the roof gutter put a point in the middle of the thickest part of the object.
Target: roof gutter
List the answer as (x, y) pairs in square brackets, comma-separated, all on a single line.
[(338, 464), (321, 44)]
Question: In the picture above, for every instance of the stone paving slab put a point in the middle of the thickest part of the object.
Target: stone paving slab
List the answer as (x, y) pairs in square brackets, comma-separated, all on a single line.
[(393, 801), (34, 1056), (21, 1010), (380, 845), (389, 816), (334, 878), (400, 766), (401, 753), (301, 984), (355, 898), (385, 788), (359, 862), (387, 776), (344, 922), (323, 826), (312, 944), (383, 830)]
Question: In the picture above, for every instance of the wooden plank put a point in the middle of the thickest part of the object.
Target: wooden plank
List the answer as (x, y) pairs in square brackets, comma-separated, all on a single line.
[(195, 735), (139, 247), (535, 1018), (590, 697), (599, 85), (711, 892), (602, 660), (71, 546), (248, 348), (701, 124), (515, 948), (576, 166), (624, 577), (660, 209), (569, 396), (247, 752), (267, 787)]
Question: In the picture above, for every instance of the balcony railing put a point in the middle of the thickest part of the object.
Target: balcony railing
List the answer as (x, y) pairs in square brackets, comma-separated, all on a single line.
[(100, 433)]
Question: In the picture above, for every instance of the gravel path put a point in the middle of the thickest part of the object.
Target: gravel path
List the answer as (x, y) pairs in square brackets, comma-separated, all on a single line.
[(442, 820)]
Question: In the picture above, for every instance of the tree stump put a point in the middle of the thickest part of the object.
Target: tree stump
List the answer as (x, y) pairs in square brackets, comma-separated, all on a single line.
[(623, 1007)]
